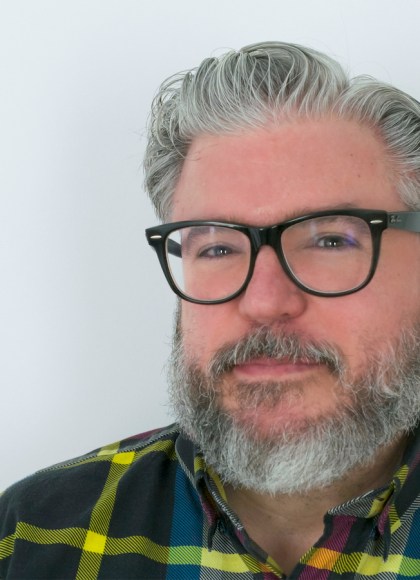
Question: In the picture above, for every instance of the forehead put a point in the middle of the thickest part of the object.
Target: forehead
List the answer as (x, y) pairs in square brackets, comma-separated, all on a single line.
[(267, 175)]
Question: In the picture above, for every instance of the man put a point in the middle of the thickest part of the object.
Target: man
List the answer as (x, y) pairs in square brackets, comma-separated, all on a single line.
[(289, 197)]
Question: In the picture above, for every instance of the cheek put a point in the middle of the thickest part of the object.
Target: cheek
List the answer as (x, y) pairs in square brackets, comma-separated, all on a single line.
[(366, 323), (193, 320), (205, 328)]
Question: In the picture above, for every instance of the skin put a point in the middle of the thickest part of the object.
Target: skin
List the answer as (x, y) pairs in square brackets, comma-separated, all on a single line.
[(264, 177)]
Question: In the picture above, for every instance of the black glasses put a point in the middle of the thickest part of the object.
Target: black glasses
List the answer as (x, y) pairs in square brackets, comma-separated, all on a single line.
[(328, 253)]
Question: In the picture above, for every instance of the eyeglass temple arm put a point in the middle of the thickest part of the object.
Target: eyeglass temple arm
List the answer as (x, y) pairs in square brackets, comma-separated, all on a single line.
[(405, 220), (174, 248)]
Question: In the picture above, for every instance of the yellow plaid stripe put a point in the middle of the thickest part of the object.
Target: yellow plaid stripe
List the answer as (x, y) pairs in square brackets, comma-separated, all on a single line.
[(361, 563), (379, 502), (74, 537), (94, 546), (7, 545), (95, 542), (111, 453)]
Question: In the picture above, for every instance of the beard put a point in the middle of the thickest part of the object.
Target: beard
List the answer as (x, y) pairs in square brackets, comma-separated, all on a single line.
[(375, 407)]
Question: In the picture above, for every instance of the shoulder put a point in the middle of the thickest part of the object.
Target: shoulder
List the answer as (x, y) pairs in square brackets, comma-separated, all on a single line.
[(64, 493), (64, 517)]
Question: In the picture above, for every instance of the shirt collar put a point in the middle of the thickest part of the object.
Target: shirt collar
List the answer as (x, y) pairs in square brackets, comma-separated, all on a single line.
[(385, 505)]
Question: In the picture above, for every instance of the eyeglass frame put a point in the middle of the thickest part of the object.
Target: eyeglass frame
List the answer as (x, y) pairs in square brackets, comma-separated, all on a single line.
[(377, 221)]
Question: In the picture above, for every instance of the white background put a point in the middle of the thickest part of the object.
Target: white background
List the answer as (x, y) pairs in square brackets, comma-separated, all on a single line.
[(85, 315)]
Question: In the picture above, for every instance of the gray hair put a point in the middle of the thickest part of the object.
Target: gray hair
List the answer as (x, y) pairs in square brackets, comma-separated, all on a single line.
[(265, 83)]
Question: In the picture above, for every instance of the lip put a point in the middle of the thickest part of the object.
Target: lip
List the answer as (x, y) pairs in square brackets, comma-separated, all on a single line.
[(271, 368)]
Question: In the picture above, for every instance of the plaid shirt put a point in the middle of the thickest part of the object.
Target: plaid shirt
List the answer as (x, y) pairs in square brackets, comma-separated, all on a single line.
[(149, 508)]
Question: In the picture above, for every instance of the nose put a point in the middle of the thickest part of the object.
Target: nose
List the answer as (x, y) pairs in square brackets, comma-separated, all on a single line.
[(271, 296)]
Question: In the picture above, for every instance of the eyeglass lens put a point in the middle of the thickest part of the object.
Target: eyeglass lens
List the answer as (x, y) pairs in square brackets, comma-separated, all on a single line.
[(328, 254)]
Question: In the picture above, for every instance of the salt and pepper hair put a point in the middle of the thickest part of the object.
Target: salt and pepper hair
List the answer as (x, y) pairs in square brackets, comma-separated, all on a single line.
[(269, 82)]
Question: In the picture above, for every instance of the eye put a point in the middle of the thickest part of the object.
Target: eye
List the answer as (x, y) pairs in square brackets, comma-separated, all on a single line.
[(215, 252), (336, 242)]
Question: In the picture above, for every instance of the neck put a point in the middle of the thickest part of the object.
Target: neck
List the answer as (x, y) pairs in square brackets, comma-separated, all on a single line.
[(287, 526)]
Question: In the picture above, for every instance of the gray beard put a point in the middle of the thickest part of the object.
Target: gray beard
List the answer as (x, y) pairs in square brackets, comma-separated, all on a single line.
[(381, 404)]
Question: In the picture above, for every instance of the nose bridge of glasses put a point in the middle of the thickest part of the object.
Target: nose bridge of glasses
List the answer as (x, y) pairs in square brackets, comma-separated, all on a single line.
[(268, 263), (266, 236)]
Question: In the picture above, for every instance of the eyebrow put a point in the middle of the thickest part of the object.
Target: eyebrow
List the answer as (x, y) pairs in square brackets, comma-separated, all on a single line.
[(192, 233), (201, 230), (305, 210), (308, 210)]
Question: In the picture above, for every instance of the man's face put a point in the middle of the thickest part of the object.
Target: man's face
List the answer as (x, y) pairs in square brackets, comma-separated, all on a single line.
[(263, 178)]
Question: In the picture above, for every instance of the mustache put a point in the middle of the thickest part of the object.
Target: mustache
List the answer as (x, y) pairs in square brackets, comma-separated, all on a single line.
[(277, 346)]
